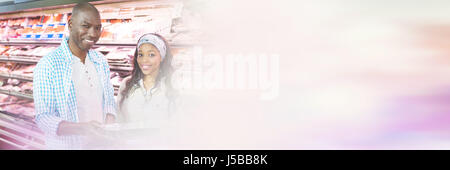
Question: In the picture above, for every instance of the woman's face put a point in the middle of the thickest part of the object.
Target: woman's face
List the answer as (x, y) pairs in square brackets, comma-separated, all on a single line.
[(148, 59)]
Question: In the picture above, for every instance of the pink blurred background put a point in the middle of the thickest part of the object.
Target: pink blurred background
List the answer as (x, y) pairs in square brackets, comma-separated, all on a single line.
[(351, 75)]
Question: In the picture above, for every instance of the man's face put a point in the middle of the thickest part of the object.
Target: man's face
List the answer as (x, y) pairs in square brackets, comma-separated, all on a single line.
[(85, 30)]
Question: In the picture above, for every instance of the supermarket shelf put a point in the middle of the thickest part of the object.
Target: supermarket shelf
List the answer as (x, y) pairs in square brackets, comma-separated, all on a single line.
[(30, 133), (43, 42), (12, 144), (13, 76), (22, 119), (18, 60), (57, 42), (17, 94), (120, 65), (113, 66), (26, 120), (99, 44), (120, 68), (38, 6), (34, 6), (30, 96), (27, 142)]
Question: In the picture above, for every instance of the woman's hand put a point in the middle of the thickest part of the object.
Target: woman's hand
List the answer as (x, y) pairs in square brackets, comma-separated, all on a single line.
[(110, 119)]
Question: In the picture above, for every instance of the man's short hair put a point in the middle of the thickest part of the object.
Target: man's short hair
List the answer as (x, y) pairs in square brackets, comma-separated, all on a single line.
[(83, 6)]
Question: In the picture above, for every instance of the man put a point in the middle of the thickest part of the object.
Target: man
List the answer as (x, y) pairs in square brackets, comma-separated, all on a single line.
[(72, 91)]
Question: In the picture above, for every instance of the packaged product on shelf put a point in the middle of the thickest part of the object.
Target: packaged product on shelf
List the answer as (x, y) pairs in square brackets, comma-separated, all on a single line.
[(12, 32), (23, 70), (113, 74), (26, 87), (106, 35), (116, 80), (18, 86), (59, 30), (27, 32), (49, 31), (120, 55), (3, 68), (43, 50), (54, 26), (18, 50), (112, 29), (16, 106), (13, 82), (4, 98), (10, 87), (3, 49), (10, 50), (105, 49), (37, 31)]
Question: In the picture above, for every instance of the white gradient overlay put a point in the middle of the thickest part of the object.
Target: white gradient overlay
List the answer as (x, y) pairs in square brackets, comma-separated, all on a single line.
[(339, 75), (312, 74)]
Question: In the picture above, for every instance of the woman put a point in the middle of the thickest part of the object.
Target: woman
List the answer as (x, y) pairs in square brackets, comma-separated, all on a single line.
[(147, 96)]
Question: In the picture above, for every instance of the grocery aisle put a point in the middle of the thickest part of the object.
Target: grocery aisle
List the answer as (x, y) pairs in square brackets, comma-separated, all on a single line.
[(28, 35)]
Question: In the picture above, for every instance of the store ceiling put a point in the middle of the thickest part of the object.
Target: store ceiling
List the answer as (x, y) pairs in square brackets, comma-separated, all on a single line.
[(11, 6), (6, 2)]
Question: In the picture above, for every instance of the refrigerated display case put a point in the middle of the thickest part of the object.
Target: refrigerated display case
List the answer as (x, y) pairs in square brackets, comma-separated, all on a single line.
[(28, 35)]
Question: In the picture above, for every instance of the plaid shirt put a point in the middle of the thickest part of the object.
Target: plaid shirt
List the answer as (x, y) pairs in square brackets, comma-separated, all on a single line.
[(54, 94)]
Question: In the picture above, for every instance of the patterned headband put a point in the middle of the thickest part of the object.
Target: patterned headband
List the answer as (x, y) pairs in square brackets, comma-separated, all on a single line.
[(154, 40)]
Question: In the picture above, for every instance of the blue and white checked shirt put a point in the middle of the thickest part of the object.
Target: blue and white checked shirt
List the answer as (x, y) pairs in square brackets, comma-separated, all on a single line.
[(54, 94)]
